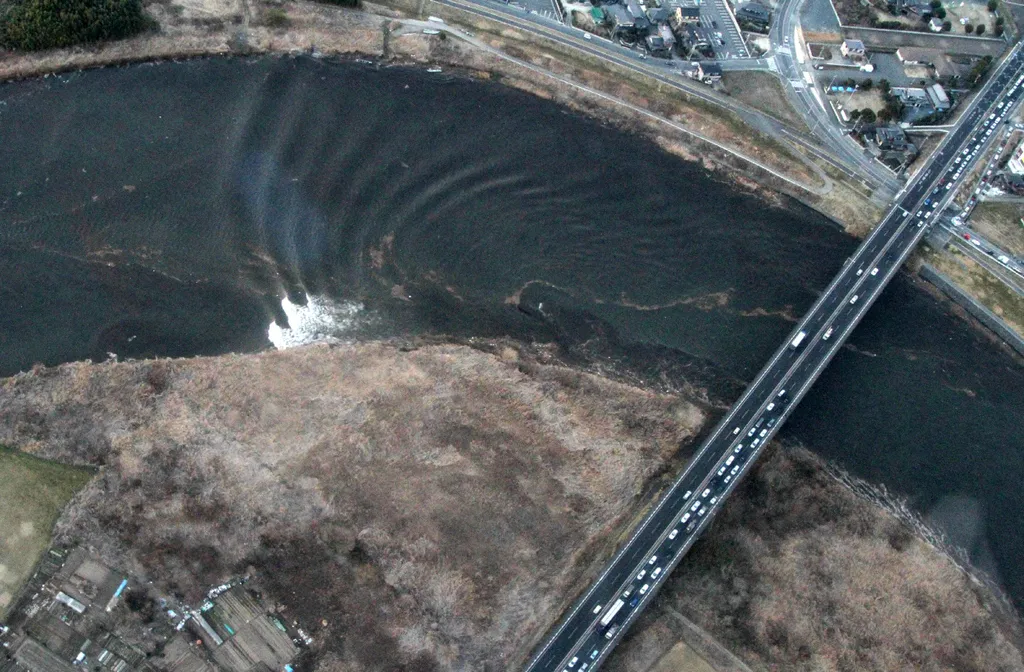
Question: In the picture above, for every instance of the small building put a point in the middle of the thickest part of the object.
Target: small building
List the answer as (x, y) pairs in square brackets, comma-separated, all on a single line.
[(687, 14), (910, 7), (938, 98), (1016, 163), (693, 39), (657, 47), (658, 15), (853, 49), (916, 56), (754, 13), (709, 73), (891, 145), (935, 25)]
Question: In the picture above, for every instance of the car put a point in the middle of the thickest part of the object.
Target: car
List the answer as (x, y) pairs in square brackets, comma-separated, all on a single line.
[(854, 299), (686, 517), (713, 500), (753, 444), (702, 511), (772, 422), (721, 471), (736, 431), (641, 575), (687, 494), (644, 588), (693, 524), (860, 271), (597, 609), (611, 632), (763, 433), (587, 36), (696, 505), (673, 534), (656, 572), (572, 663), (626, 593), (735, 469), (707, 491), (770, 406), (714, 23), (728, 478), (927, 201), (653, 560), (781, 393), (729, 460), (828, 332), (595, 653), (874, 271), (752, 431)]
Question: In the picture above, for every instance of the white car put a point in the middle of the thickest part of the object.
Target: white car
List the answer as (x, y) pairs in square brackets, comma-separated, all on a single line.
[(874, 271), (641, 575), (656, 572), (686, 517), (828, 332), (673, 534), (653, 560), (587, 36), (644, 588), (707, 491)]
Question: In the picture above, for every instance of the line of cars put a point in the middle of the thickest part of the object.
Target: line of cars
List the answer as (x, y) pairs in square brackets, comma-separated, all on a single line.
[(697, 507)]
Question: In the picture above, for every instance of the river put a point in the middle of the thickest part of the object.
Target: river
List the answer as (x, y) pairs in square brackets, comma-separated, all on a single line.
[(181, 208)]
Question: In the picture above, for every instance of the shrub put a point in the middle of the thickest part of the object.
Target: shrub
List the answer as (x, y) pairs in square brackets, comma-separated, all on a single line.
[(275, 18), (946, 26), (935, 4), (968, 29), (883, 85), (940, 13), (866, 85), (855, 114), (867, 115), (48, 24), (999, 30), (993, 5), (341, 3), (980, 30)]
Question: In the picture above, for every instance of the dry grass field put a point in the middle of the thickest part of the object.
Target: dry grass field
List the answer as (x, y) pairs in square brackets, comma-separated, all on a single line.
[(32, 494)]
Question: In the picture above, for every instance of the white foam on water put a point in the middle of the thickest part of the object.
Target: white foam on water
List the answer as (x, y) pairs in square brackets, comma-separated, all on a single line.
[(319, 320)]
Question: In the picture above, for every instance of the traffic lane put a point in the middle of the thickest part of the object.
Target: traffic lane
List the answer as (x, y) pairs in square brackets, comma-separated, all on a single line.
[(657, 543), (869, 286)]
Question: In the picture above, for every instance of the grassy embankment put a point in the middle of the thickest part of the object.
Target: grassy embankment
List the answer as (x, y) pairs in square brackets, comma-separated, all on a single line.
[(980, 283), (33, 492), (1000, 222)]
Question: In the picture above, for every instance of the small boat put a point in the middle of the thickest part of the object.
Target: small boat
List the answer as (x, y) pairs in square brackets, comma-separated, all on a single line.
[(433, 69), (431, 31)]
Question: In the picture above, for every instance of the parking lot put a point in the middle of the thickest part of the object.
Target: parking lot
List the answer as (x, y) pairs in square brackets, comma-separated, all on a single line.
[(545, 8), (725, 38)]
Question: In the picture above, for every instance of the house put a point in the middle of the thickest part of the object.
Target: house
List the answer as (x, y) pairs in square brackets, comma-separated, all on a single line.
[(916, 56), (910, 7), (853, 49), (935, 25), (754, 13), (938, 98), (656, 46), (688, 13), (709, 73), (1016, 163), (693, 39), (657, 15)]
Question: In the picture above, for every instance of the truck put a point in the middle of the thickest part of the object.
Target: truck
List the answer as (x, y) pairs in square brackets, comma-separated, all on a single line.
[(610, 614), (797, 340)]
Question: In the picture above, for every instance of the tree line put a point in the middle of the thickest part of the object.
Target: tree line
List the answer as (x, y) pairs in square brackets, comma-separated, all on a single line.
[(30, 25)]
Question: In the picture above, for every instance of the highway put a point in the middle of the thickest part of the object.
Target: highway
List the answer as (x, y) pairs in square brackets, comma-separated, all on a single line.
[(592, 627)]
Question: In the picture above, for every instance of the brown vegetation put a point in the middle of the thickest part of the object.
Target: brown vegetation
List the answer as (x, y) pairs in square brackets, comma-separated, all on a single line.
[(431, 508), (798, 573)]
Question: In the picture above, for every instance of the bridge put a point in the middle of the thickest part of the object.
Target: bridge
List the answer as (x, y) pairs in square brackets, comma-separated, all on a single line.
[(592, 627)]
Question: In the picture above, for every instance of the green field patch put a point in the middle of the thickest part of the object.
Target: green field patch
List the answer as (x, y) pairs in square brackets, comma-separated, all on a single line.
[(33, 492)]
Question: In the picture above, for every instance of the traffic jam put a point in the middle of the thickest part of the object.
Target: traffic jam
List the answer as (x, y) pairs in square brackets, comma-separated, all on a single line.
[(698, 506), (966, 157), (745, 448)]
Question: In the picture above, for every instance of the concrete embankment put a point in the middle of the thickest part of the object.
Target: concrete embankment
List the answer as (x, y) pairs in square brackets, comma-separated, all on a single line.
[(978, 311)]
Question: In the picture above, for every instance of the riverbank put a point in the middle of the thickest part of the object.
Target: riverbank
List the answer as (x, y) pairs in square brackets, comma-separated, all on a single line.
[(680, 123), (372, 460)]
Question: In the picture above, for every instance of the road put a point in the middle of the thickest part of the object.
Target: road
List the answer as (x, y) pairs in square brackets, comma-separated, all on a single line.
[(586, 635), (807, 99), (672, 73)]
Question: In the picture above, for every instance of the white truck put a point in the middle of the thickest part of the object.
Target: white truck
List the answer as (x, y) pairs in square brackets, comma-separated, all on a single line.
[(797, 340), (610, 614)]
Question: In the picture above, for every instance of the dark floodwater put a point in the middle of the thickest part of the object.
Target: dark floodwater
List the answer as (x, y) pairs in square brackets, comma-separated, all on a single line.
[(179, 209)]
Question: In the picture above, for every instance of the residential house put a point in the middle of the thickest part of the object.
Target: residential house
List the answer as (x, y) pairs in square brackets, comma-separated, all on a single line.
[(693, 40), (916, 56), (852, 49), (910, 7), (938, 98), (754, 13), (709, 73), (1016, 163)]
